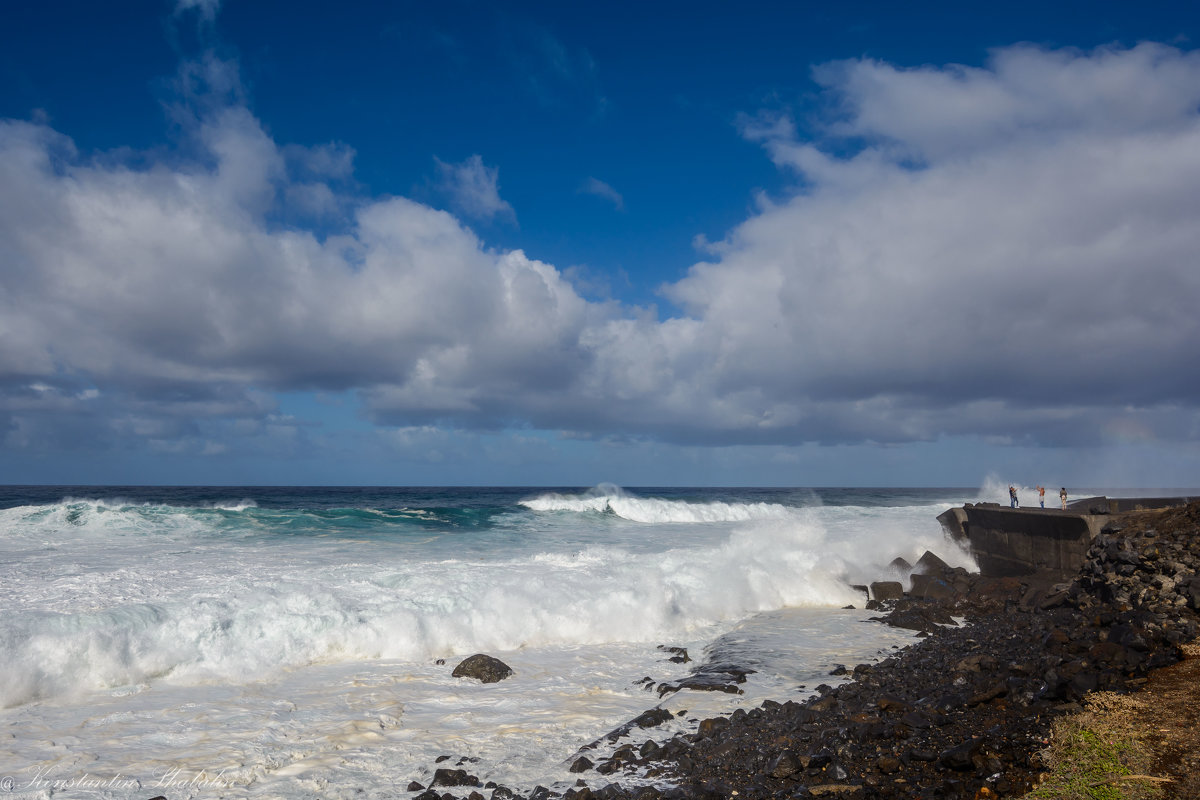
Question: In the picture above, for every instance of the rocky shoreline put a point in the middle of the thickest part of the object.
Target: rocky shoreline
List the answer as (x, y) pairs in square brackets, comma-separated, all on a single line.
[(964, 713)]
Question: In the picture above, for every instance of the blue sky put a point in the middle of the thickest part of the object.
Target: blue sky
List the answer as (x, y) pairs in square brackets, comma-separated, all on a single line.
[(548, 243)]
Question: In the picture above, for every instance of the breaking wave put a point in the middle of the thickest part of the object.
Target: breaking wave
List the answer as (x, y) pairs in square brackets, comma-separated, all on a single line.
[(610, 499)]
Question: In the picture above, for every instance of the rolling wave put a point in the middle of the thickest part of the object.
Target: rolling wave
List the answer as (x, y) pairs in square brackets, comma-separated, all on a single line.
[(610, 499)]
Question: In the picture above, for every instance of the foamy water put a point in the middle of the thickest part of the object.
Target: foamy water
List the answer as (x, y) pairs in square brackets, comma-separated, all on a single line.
[(288, 641)]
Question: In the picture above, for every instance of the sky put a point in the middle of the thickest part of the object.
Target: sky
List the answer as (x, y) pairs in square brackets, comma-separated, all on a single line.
[(500, 243)]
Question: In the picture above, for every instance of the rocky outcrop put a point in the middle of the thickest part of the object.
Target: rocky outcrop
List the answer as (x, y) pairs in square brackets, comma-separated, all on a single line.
[(483, 668)]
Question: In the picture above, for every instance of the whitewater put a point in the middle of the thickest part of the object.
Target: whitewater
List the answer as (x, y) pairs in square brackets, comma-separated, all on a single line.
[(299, 642)]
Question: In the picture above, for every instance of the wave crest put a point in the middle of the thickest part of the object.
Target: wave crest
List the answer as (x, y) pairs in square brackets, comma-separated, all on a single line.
[(610, 499)]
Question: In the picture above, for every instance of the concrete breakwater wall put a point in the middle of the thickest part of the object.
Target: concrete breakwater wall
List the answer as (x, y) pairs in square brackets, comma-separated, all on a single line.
[(1025, 541)]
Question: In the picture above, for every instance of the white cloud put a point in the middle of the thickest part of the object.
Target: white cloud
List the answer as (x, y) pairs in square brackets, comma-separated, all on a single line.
[(474, 189), (1040, 255), (1032, 277), (1026, 95)]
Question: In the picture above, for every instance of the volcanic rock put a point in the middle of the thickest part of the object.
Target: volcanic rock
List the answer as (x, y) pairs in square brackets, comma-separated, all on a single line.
[(482, 667)]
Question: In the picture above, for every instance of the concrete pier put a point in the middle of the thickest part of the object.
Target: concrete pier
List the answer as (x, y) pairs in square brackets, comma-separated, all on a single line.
[(1024, 541)]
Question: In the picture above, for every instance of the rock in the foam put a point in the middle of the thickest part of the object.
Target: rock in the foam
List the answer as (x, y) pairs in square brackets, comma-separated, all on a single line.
[(483, 667)]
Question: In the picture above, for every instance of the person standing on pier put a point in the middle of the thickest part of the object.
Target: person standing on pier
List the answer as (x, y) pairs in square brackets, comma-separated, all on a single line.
[(1012, 496), (1062, 495), (1042, 496)]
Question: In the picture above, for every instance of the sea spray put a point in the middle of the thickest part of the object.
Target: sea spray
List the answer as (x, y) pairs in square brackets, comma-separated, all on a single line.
[(296, 634)]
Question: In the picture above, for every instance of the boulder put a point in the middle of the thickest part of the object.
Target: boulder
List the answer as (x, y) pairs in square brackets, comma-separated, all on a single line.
[(453, 777), (887, 590), (783, 765), (1191, 591), (954, 523), (961, 757), (929, 563), (930, 587), (655, 716), (482, 667)]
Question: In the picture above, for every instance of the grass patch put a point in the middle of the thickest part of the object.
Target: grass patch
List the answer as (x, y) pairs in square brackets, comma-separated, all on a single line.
[(1098, 755)]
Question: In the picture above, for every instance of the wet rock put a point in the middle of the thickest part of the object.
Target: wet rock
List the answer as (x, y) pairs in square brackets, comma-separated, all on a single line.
[(710, 678), (710, 726), (652, 718), (581, 764), (929, 563), (930, 587), (453, 777), (884, 591), (482, 667), (917, 618), (679, 655)]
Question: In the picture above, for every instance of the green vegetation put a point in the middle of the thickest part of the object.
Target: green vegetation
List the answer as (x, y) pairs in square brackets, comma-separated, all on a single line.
[(1096, 755)]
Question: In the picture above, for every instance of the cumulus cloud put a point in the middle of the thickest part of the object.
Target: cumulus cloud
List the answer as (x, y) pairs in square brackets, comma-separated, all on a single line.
[(1009, 249), (1020, 267), (474, 189), (164, 287)]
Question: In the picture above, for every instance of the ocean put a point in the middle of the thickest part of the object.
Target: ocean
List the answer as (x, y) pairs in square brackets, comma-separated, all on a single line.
[(298, 642)]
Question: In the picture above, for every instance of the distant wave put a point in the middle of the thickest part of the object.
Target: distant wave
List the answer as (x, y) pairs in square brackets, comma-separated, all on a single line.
[(607, 498), (117, 503), (74, 517)]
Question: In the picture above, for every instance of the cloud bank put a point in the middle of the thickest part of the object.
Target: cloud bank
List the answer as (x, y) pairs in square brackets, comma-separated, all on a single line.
[(1006, 252)]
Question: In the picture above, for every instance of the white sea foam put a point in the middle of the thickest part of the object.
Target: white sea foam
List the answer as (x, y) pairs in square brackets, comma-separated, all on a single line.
[(101, 608), (150, 637), (611, 499)]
